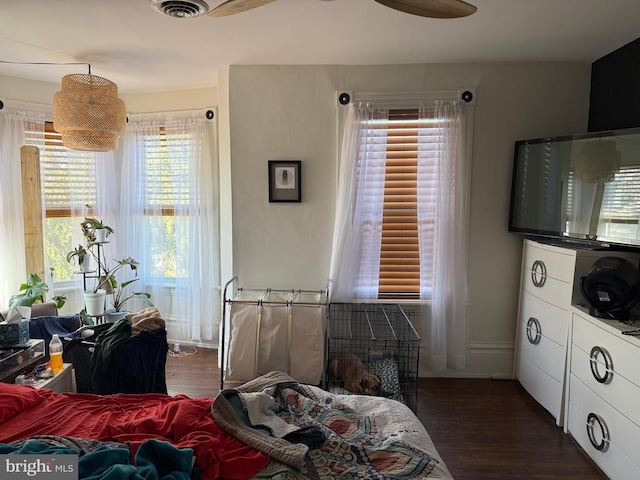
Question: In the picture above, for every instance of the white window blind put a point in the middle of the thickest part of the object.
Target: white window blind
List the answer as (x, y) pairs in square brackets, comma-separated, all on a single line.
[(68, 176), (621, 202), (168, 165), (400, 263)]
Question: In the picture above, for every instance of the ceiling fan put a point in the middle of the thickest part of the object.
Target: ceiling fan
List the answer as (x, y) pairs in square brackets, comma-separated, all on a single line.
[(423, 8)]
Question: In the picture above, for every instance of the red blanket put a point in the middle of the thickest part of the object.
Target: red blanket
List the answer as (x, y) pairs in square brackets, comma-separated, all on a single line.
[(180, 420)]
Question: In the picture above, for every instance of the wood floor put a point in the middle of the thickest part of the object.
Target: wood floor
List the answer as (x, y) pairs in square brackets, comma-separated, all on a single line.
[(483, 429)]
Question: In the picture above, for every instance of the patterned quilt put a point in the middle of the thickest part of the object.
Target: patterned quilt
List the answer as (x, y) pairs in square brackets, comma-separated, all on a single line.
[(329, 436)]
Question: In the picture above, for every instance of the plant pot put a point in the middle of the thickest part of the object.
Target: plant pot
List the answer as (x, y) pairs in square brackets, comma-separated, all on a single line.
[(113, 316), (85, 265), (101, 235), (104, 284), (94, 302)]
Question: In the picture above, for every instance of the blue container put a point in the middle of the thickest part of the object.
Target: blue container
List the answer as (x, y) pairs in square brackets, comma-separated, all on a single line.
[(14, 333)]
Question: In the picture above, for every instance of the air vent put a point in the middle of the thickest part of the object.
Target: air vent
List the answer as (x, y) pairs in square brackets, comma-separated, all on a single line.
[(180, 8)]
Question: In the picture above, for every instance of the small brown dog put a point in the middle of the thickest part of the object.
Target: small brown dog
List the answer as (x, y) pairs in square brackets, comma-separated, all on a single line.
[(348, 368)]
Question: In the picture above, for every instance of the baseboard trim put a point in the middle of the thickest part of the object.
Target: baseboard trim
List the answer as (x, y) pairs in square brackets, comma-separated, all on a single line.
[(486, 360)]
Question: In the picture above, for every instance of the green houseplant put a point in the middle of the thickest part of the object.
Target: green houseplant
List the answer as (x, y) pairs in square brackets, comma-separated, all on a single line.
[(108, 282), (32, 291), (121, 297), (95, 230), (83, 257)]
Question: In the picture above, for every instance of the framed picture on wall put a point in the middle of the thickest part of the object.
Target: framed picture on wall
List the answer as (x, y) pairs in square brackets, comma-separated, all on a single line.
[(285, 180)]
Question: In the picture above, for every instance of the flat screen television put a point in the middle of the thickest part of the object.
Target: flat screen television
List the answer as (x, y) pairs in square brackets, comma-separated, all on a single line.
[(578, 188)]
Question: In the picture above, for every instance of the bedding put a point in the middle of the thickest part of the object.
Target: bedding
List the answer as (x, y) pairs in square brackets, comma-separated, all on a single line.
[(130, 419), (312, 434), (271, 427)]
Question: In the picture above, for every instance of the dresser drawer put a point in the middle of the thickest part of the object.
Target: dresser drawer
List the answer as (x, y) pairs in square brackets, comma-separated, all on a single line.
[(548, 356), (623, 353), (619, 455), (619, 392), (552, 290), (554, 262), (543, 387), (550, 321)]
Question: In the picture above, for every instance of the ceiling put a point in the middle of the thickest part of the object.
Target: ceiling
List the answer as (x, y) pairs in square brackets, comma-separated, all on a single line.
[(140, 49)]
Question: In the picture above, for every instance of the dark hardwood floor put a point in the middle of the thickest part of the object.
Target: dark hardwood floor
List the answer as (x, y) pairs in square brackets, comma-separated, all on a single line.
[(483, 429)]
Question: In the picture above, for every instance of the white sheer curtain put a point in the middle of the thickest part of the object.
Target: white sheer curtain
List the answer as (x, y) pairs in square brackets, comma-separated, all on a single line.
[(357, 235), (442, 235), (179, 254), (13, 128), (103, 178), (442, 215)]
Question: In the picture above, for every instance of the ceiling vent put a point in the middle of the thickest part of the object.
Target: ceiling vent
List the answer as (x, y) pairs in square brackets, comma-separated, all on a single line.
[(180, 8)]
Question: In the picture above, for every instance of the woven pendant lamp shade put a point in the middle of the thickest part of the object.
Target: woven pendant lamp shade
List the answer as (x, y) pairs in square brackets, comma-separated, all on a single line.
[(88, 113)]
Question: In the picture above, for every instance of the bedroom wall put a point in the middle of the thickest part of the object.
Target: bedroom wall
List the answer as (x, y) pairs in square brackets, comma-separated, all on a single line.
[(289, 113)]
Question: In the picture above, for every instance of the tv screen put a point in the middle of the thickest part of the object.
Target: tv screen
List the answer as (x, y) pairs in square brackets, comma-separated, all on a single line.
[(582, 188)]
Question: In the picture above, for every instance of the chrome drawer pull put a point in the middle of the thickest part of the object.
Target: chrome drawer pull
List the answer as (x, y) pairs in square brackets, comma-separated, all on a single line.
[(608, 365), (603, 445), (533, 324), (538, 273)]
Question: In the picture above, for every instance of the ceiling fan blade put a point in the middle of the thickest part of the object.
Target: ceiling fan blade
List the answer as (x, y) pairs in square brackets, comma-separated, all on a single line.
[(431, 8), (231, 7)]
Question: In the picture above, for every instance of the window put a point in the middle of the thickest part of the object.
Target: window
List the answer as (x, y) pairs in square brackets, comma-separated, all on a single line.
[(169, 175), (620, 204), (68, 182), (399, 251), (402, 202), (400, 261), (169, 193)]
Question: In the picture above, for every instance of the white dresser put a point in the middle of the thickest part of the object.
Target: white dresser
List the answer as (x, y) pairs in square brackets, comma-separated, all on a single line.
[(582, 369), (543, 323), (604, 395)]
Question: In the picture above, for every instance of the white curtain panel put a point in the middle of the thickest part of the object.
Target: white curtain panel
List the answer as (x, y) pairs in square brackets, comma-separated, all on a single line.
[(442, 215), (442, 236), (13, 128), (105, 180), (182, 273), (357, 234)]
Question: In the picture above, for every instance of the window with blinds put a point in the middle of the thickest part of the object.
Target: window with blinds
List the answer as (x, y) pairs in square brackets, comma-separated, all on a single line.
[(400, 253), (68, 176), (168, 198), (68, 183), (620, 204), (168, 165)]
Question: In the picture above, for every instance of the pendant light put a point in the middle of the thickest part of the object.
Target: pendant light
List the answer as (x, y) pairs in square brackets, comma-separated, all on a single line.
[(88, 113)]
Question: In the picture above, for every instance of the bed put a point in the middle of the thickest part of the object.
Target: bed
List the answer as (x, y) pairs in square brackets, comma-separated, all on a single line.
[(271, 427)]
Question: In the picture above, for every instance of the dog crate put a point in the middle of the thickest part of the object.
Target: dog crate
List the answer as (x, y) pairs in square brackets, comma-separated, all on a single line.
[(384, 338)]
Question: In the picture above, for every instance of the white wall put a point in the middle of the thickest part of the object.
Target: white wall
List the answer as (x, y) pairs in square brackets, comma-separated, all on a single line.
[(289, 112)]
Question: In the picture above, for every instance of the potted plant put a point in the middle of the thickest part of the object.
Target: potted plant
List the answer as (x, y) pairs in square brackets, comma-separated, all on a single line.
[(120, 298), (32, 291), (84, 259), (95, 299), (95, 230)]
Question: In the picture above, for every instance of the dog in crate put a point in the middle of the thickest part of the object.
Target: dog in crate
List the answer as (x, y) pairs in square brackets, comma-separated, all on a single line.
[(346, 369)]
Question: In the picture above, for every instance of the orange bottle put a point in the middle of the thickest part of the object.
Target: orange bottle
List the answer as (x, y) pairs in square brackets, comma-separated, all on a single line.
[(55, 354)]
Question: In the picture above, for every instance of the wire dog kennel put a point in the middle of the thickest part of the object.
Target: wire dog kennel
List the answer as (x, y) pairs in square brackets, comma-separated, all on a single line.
[(384, 338)]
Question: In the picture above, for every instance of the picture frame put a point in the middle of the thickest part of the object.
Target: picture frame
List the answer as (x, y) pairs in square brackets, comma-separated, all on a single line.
[(285, 181)]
